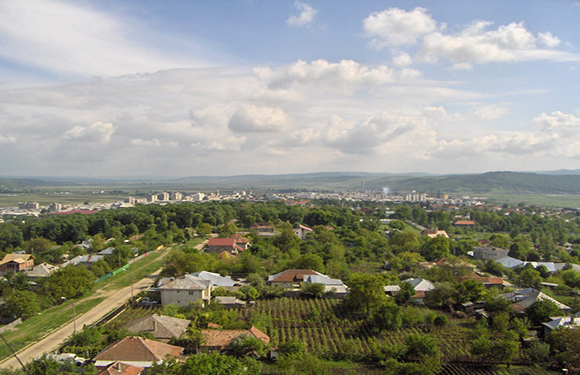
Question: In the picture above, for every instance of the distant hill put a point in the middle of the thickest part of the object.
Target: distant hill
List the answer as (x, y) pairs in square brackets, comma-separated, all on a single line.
[(506, 182)]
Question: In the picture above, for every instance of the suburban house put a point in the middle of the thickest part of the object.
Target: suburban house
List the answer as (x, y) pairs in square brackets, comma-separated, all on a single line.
[(136, 351), (120, 368), (184, 290), (522, 299), (230, 302), (301, 231), (163, 328), (290, 278), (422, 288), (216, 280), (434, 232), (241, 241), (219, 339), (16, 262), (561, 321), (445, 262), (489, 253), (263, 229), (217, 245), (335, 286), (464, 223), (40, 271)]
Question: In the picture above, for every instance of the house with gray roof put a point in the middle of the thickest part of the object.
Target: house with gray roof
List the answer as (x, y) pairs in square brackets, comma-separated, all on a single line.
[(522, 299), (184, 290), (215, 279), (163, 328)]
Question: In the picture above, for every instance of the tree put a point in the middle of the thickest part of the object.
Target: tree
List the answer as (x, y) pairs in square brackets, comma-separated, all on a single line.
[(565, 343), (292, 347), (69, 282), (405, 241), (541, 311), (529, 278), (366, 292), (387, 316), (405, 294), (44, 365), (246, 344), (500, 240), (313, 290), (22, 304), (207, 364)]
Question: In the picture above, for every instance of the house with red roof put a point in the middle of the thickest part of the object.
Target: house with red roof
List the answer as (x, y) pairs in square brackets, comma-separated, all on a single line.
[(220, 339), (120, 368), (136, 351), (290, 278), (218, 245), (301, 231)]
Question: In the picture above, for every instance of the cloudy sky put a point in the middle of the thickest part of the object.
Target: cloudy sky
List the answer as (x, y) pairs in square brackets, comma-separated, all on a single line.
[(172, 88)]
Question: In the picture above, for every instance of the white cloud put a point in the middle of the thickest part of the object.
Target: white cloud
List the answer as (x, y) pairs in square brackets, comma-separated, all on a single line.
[(401, 59), (153, 142), (477, 45), (259, 119), (306, 16), (491, 111), (548, 40), (71, 38), (558, 122), (98, 132), (323, 72), (395, 27), (6, 140), (474, 44)]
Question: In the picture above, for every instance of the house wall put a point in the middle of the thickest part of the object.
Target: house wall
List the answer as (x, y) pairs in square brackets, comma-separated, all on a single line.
[(183, 297), (218, 249)]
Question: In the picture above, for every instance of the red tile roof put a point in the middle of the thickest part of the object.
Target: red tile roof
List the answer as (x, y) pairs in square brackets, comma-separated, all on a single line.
[(138, 349), (118, 368), (215, 338), (291, 275), (221, 242), (82, 212)]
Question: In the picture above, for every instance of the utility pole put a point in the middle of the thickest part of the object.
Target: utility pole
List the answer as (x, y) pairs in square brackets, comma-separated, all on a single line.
[(14, 354)]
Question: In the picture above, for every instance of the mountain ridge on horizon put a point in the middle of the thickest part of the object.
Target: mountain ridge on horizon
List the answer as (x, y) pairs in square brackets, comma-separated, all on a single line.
[(552, 182)]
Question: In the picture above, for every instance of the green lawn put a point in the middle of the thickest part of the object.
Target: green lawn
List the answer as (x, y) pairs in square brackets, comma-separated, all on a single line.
[(33, 329)]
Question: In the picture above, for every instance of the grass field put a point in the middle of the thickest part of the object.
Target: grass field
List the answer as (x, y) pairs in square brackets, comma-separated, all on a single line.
[(33, 329), (544, 200)]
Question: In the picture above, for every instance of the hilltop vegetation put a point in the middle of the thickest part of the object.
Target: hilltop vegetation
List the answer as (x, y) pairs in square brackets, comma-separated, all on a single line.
[(502, 182)]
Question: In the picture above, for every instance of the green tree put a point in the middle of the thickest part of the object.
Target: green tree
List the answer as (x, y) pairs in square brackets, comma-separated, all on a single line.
[(292, 346), (313, 290), (541, 311), (69, 282), (366, 292), (529, 278), (387, 316), (405, 294), (22, 304)]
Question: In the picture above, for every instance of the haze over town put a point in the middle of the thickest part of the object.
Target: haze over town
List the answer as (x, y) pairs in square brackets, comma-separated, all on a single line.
[(174, 88)]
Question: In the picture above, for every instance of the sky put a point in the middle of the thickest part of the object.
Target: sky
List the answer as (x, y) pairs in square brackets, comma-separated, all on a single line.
[(174, 88)]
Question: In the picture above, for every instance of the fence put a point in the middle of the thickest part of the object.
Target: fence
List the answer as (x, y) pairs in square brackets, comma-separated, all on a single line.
[(126, 265)]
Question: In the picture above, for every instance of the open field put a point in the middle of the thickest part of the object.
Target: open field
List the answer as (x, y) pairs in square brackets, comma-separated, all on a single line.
[(74, 198), (544, 200)]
